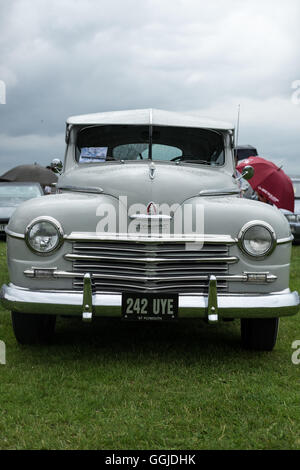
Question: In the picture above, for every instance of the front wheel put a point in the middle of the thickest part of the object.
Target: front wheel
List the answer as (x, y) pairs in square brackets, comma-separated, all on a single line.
[(33, 328), (259, 333)]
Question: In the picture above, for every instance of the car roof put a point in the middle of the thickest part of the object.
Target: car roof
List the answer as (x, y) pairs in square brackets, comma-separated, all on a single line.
[(241, 147), (155, 117)]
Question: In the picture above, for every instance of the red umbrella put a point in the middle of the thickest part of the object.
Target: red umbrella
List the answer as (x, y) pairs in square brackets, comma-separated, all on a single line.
[(271, 182)]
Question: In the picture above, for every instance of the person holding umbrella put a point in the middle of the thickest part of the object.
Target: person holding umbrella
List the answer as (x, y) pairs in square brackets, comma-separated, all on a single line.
[(31, 173)]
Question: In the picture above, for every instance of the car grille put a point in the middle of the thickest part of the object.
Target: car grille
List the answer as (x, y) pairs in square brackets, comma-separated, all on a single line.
[(149, 266)]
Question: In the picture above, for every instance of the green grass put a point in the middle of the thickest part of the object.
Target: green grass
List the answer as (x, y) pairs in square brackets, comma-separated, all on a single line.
[(182, 386)]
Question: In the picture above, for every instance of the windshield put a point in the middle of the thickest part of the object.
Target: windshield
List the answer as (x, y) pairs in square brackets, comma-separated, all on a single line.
[(11, 193), (296, 185), (100, 144)]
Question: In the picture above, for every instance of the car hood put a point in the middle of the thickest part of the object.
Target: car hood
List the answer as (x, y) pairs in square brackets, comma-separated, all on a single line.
[(80, 212), (146, 182), (6, 212)]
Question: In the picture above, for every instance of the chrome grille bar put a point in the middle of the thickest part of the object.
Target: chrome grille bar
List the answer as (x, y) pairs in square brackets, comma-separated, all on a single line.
[(124, 265), (228, 259), (183, 288), (144, 248), (133, 269)]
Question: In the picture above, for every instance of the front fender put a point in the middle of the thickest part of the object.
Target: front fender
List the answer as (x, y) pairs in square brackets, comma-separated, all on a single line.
[(227, 216)]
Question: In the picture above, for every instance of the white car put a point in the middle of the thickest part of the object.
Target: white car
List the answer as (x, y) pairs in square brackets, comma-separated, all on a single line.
[(149, 226)]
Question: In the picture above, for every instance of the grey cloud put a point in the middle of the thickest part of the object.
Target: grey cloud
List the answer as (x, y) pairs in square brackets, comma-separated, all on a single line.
[(61, 58)]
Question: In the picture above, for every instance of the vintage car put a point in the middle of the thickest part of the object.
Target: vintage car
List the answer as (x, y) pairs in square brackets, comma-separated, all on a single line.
[(245, 151), (11, 196), (148, 225)]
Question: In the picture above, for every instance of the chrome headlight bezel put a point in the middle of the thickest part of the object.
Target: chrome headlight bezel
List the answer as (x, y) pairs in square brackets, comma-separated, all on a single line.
[(55, 224), (264, 225)]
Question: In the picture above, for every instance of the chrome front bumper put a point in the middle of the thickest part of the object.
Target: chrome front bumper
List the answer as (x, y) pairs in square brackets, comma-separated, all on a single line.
[(213, 306)]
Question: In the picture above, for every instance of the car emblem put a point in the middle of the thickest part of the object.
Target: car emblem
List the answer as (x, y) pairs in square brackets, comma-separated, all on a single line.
[(152, 170), (151, 208)]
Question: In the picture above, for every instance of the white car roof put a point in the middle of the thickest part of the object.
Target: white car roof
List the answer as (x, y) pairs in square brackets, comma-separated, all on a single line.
[(155, 117)]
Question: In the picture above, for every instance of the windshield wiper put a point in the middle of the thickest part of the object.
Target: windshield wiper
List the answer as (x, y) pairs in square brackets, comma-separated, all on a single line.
[(204, 162), (194, 160)]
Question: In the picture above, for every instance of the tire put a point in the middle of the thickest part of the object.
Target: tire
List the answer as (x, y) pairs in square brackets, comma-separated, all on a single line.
[(33, 328), (259, 334)]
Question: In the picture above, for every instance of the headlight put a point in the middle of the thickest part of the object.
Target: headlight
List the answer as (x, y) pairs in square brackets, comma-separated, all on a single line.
[(257, 239), (44, 235)]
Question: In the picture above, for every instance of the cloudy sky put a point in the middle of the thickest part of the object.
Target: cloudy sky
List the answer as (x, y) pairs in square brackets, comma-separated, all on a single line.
[(64, 57)]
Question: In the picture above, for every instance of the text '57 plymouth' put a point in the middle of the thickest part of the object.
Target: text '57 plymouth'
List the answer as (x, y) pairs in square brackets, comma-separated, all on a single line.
[(148, 225)]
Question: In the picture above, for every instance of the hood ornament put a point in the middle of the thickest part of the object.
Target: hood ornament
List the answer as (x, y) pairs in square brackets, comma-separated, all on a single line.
[(151, 208), (152, 169)]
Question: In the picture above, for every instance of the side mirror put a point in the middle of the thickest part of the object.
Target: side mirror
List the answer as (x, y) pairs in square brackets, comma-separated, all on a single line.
[(56, 165), (248, 172)]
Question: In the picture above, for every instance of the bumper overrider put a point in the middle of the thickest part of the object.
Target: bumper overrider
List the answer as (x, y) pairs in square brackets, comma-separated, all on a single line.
[(213, 307)]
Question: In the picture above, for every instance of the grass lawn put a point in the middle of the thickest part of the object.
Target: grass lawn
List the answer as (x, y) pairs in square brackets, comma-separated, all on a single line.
[(184, 386)]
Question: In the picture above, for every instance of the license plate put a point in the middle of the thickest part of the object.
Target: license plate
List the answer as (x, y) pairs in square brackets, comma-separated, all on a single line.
[(149, 307), (3, 227)]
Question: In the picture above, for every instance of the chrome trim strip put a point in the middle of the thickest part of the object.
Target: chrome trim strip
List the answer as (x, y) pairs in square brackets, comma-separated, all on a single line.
[(219, 192), (161, 249), (228, 260), (175, 288), (233, 278), (134, 237), (85, 236), (150, 269), (12, 234), (272, 305), (151, 217), (81, 189), (282, 241)]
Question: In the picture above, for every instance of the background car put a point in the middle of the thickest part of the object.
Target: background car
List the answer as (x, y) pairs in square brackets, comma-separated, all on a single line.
[(245, 151), (11, 196), (294, 218)]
